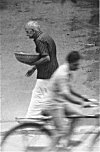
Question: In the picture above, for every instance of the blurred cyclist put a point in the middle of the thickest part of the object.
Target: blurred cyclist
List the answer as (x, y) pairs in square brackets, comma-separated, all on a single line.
[(61, 98)]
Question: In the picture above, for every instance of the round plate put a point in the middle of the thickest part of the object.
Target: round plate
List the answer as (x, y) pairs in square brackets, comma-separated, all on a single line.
[(27, 58)]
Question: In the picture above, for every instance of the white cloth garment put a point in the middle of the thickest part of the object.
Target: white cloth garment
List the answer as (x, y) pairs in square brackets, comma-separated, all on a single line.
[(35, 106)]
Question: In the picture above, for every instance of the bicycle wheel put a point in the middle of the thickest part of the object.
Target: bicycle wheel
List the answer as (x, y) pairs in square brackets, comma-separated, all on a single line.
[(26, 137)]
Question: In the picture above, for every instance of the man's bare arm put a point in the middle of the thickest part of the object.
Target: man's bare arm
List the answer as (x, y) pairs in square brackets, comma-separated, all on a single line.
[(72, 99), (78, 95), (65, 91)]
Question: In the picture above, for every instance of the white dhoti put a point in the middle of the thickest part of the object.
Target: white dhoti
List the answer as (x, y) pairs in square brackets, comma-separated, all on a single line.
[(35, 106)]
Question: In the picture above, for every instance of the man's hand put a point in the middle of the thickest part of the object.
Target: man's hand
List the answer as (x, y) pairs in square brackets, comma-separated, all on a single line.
[(86, 104), (31, 71), (94, 101), (90, 103)]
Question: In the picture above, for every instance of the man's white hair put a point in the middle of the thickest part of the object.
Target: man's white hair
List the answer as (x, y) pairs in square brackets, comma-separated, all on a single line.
[(32, 25)]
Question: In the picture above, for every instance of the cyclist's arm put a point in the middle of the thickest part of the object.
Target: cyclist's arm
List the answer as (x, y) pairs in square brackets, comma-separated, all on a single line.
[(65, 91), (76, 94), (70, 98)]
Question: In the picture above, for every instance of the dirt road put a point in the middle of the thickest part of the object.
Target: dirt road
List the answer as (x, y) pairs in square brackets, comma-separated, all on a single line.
[(73, 28)]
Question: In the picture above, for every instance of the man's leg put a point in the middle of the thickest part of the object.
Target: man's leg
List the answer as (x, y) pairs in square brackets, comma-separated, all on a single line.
[(34, 109), (35, 106), (57, 113), (70, 110)]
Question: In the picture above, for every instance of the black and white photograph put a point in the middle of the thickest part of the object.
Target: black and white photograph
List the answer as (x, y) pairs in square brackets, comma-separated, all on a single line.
[(49, 76)]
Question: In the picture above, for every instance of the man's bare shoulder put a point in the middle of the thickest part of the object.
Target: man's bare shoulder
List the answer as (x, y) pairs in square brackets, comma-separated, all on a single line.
[(61, 71), (59, 75)]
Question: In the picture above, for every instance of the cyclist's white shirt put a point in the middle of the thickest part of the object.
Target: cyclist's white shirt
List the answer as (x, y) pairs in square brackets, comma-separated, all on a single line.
[(58, 85)]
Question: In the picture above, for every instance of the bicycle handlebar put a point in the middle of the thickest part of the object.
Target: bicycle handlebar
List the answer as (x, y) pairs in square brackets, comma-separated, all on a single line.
[(87, 116), (50, 117)]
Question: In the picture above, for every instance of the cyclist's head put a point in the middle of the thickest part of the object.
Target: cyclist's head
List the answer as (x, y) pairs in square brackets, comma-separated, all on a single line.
[(73, 59), (32, 29)]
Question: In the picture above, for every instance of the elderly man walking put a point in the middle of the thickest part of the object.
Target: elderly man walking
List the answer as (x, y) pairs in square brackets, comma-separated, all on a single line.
[(45, 66)]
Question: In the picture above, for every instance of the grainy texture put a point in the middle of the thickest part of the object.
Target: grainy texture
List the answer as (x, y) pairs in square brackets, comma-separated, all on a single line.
[(73, 27)]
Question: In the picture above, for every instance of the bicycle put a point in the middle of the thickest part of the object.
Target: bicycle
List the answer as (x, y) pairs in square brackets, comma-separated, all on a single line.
[(16, 139), (38, 129)]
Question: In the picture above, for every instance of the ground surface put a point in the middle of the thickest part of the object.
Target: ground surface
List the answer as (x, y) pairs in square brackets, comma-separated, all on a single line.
[(73, 27)]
